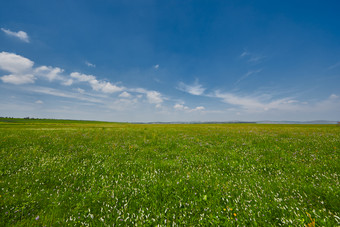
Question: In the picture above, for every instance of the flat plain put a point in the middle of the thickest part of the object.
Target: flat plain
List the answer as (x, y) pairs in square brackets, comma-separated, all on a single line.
[(100, 174)]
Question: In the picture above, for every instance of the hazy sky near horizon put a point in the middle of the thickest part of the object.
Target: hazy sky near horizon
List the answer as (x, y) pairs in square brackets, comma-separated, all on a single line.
[(170, 60)]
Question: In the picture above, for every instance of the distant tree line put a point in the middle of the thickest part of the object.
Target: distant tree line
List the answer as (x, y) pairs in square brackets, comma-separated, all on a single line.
[(26, 118)]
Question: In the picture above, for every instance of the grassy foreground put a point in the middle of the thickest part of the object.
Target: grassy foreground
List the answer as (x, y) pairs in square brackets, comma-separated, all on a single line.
[(85, 173)]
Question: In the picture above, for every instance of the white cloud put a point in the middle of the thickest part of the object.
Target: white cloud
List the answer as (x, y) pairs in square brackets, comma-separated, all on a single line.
[(123, 104), (68, 82), (105, 87), (181, 107), (154, 97), (81, 91), (14, 63), (255, 59), (156, 66), (251, 57), (125, 95), (49, 72), (18, 79), (333, 96), (199, 108), (64, 94), (20, 35), (82, 77), (20, 69), (247, 74), (254, 103), (89, 64), (96, 85), (39, 102), (244, 53), (194, 89)]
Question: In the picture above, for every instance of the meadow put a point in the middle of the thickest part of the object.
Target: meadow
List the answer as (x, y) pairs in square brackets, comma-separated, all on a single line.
[(56, 173)]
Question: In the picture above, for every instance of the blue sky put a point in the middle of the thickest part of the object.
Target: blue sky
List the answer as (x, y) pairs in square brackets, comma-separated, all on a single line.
[(170, 60)]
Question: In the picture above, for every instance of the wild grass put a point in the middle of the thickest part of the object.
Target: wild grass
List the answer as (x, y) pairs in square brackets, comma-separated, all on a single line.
[(123, 174)]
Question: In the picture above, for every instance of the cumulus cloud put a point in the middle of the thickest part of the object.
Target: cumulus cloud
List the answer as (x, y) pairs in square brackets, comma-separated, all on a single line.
[(14, 63), (96, 85), (20, 35), (18, 79), (49, 72), (154, 97), (105, 87), (199, 108), (67, 82), (22, 71), (194, 89), (182, 107), (82, 77), (19, 68), (125, 95)]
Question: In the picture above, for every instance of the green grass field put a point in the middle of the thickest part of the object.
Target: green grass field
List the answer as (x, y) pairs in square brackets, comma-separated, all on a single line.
[(87, 173)]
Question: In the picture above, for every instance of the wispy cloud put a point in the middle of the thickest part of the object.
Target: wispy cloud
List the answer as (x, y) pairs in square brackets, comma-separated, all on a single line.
[(262, 107), (156, 66), (244, 53), (64, 94), (254, 103), (334, 66), (20, 35), (252, 57), (247, 75), (194, 89), (89, 64)]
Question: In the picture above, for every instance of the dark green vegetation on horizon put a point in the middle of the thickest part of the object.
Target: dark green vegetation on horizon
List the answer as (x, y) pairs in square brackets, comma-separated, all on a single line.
[(4, 120), (89, 173)]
